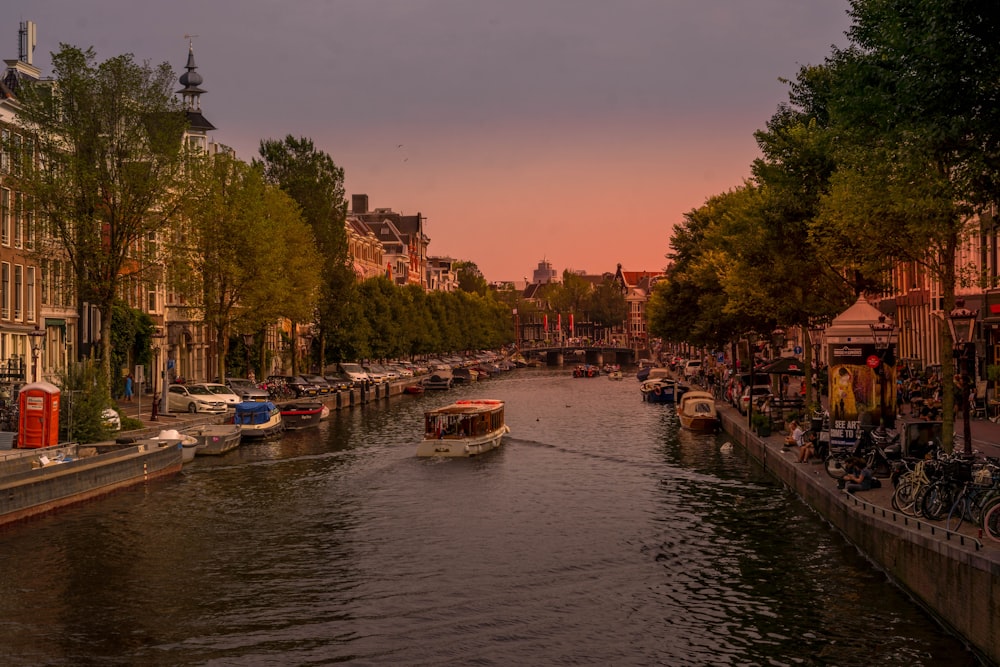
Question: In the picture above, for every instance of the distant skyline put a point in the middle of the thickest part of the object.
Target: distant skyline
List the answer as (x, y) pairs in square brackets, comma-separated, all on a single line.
[(577, 131)]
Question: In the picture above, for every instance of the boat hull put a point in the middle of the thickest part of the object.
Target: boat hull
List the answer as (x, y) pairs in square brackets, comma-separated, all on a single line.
[(697, 412), (216, 439), (659, 391), (462, 447), (301, 415), (37, 490)]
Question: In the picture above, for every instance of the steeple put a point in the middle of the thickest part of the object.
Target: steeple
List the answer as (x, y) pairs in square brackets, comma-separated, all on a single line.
[(191, 93)]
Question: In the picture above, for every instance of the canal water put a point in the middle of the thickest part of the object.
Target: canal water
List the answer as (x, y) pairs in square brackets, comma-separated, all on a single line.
[(599, 534)]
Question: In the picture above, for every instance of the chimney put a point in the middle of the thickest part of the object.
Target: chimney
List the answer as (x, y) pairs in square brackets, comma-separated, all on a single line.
[(359, 204)]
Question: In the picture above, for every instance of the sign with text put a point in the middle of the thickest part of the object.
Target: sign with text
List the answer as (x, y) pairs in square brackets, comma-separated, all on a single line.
[(862, 388)]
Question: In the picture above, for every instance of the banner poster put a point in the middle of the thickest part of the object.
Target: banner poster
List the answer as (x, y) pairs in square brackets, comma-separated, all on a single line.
[(861, 384)]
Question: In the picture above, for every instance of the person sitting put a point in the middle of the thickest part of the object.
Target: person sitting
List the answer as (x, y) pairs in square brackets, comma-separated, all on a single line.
[(859, 478), (808, 448), (794, 438)]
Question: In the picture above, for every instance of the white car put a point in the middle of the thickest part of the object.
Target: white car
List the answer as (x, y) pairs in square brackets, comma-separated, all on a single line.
[(194, 398), (225, 393), (759, 391), (691, 368)]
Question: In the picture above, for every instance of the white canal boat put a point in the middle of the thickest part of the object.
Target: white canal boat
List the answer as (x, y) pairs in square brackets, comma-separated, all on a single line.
[(464, 428)]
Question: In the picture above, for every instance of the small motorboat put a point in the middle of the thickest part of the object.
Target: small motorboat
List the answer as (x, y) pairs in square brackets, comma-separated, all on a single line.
[(301, 414), (615, 375), (189, 444), (413, 389), (663, 390), (257, 420), (697, 412), (215, 439)]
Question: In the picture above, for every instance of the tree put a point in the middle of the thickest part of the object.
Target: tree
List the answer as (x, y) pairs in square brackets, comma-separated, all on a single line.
[(470, 278), (247, 258), (107, 140), (607, 305), (918, 128), (316, 183)]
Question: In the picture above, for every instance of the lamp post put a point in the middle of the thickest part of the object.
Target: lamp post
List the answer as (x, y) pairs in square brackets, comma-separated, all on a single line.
[(816, 332), (158, 337), (962, 323), (882, 335), (36, 349), (247, 344)]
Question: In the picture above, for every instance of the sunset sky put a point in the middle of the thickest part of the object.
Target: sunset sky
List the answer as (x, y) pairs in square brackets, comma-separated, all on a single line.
[(578, 131)]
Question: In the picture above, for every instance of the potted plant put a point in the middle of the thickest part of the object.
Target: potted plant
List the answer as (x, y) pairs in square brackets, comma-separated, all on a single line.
[(761, 424)]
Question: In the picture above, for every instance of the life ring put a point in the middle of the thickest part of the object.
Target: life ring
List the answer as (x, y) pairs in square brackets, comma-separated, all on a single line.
[(657, 390)]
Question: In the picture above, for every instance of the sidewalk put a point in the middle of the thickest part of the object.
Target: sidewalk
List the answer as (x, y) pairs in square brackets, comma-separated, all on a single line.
[(142, 409)]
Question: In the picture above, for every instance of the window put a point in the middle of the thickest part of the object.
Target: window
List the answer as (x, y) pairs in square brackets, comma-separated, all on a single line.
[(151, 302), (46, 283), (29, 226), (5, 291), (18, 292), (18, 225), (4, 155), (29, 298), (5, 216)]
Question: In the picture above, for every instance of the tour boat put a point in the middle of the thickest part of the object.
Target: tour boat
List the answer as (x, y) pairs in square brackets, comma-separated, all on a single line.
[(464, 428), (697, 412)]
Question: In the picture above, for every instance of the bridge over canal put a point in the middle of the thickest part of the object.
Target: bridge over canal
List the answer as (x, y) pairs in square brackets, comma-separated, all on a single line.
[(558, 355)]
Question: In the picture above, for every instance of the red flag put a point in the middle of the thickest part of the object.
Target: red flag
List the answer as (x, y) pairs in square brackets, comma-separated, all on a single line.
[(571, 324), (545, 323), (559, 322), (388, 270)]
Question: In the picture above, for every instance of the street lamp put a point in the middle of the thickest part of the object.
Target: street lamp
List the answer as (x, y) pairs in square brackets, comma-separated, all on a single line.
[(816, 332), (36, 349), (962, 323), (882, 335), (158, 337)]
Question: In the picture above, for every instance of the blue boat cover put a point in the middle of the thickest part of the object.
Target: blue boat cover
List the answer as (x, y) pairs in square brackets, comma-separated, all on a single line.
[(253, 412)]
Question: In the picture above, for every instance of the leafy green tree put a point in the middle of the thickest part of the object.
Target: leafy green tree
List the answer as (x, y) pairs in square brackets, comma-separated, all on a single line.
[(470, 278), (918, 130), (607, 305), (247, 257), (316, 183), (109, 137)]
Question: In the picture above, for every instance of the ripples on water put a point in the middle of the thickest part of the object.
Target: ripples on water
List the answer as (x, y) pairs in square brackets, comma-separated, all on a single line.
[(599, 534)]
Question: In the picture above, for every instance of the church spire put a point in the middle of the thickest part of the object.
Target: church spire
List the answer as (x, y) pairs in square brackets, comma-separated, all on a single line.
[(191, 93)]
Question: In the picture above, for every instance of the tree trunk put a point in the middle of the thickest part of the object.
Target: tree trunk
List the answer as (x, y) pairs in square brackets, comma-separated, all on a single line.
[(105, 310)]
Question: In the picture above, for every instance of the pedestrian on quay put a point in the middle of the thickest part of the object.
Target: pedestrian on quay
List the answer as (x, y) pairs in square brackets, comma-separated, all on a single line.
[(128, 388)]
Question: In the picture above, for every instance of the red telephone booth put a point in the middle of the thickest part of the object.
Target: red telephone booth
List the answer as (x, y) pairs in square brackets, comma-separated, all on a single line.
[(38, 415)]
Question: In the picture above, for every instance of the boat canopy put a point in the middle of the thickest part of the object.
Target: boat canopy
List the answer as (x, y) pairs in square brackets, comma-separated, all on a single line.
[(253, 412)]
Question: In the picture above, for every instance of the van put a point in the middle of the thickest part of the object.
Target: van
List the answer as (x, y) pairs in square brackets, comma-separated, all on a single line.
[(691, 367)]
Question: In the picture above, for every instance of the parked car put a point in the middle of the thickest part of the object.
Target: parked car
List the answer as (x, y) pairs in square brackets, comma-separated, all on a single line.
[(355, 372), (194, 398), (225, 393), (323, 387), (338, 381), (691, 368), (247, 390), (759, 392)]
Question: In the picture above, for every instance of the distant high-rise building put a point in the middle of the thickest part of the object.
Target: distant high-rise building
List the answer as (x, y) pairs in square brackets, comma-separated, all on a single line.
[(544, 273)]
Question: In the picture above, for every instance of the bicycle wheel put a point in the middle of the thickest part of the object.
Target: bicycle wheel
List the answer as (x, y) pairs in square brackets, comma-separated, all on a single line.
[(958, 513), (991, 521), (936, 501), (904, 498), (835, 466)]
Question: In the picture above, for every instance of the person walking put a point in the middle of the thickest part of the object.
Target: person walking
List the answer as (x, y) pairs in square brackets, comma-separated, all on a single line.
[(128, 388)]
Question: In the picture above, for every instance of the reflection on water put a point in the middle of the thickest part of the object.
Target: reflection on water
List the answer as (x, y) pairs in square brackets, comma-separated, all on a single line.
[(600, 533)]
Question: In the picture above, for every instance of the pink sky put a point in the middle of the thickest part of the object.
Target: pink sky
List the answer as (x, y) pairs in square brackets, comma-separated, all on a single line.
[(574, 130)]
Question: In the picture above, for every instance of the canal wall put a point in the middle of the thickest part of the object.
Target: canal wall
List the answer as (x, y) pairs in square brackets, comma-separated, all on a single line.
[(953, 575)]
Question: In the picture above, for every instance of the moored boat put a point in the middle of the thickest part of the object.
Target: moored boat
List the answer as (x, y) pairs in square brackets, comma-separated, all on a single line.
[(215, 439), (189, 444), (36, 481), (615, 375), (301, 414), (258, 420), (663, 390), (464, 428), (586, 371), (697, 412)]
